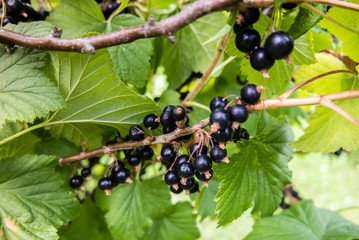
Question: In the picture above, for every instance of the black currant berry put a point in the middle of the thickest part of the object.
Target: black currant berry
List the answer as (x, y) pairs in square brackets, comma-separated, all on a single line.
[(244, 134), (105, 183), (168, 153), (171, 178), (218, 154), (134, 159), (85, 172), (251, 15), (247, 40), (219, 119), (223, 135), (288, 6), (197, 150), (147, 153), (202, 163), (250, 94), (261, 59), (167, 119), (168, 108), (279, 44), (190, 182), (76, 181), (117, 166), (121, 176), (111, 7), (181, 159), (9, 19), (218, 102), (176, 191), (195, 188), (204, 177), (239, 113), (338, 152), (169, 129), (178, 113), (238, 28), (185, 170), (14, 7), (44, 14), (150, 121), (136, 133)]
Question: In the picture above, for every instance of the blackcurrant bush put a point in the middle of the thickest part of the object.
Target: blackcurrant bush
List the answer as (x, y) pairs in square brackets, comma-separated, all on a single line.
[(218, 154), (218, 102), (190, 182), (169, 129), (181, 159), (204, 177), (76, 181), (171, 178), (134, 160), (14, 7), (168, 153), (185, 170), (147, 153), (288, 6), (250, 94), (279, 44), (219, 119), (136, 133), (195, 188), (261, 59), (251, 15), (202, 163), (239, 113), (178, 113), (247, 40), (238, 28), (121, 176), (167, 119), (197, 150), (150, 121), (105, 183), (223, 135), (85, 172), (176, 191)]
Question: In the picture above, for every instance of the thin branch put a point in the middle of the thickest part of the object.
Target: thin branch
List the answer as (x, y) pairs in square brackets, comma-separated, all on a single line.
[(329, 104), (166, 138)]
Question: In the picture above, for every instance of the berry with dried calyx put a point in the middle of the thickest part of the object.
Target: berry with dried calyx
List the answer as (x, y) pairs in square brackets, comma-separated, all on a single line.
[(151, 121), (239, 113), (172, 179), (185, 170), (168, 153), (279, 44), (76, 181), (223, 136), (261, 60), (204, 177), (105, 183), (178, 113), (250, 94), (189, 183), (121, 176), (219, 155), (202, 163), (218, 102), (219, 119), (136, 133), (247, 40), (176, 191)]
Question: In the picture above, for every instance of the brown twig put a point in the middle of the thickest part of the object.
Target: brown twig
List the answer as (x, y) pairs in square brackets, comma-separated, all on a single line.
[(263, 104)]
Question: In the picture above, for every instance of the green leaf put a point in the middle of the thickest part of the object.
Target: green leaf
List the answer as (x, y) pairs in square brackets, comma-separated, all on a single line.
[(303, 52), (256, 176), (288, 19), (38, 29), (131, 206), (348, 18), (94, 96), (162, 3), (19, 146), (57, 147), (189, 53), (131, 61), (304, 221), (33, 203), (169, 97), (205, 204), (305, 20), (78, 17), (178, 222)]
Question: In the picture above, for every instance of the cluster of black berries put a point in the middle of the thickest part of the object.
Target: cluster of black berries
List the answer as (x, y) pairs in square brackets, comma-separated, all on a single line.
[(277, 46), (77, 181), (21, 11)]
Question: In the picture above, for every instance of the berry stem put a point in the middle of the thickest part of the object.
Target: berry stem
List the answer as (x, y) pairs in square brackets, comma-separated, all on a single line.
[(199, 105)]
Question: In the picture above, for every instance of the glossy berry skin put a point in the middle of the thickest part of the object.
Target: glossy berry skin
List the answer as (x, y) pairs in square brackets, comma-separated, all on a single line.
[(176, 191), (190, 183), (168, 108), (181, 159), (195, 188), (171, 178), (249, 94), (220, 117), (279, 44), (237, 28), (186, 170), (136, 133), (150, 121), (218, 102), (169, 129), (76, 181), (105, 183), (217, 154), (121, 175), (147, 153), (223, 135), (178, 113), (168, 153), (14, 7), (134, 159), (117, 167), (239, 113), (9, 19), (202, 163), (167, 119), (202, 176), (251, 15), (244, 134), (85, 172), (261, 59), (247, 40), (195, 151)]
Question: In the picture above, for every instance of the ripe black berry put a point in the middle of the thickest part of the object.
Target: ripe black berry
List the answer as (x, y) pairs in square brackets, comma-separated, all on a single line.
[(250, 94), (134, 159), (117, 166), (251, 15), (14, 7), (219, 119), (147, 153), (167, 119), (218, 102), (185, 170), (218, 154), (237, 28), (279, 44), (136, 133), (105, 183), (223, 135), (195, 188), (178, 113), (181, 159), (150, 121), (247, 40), (190, 182), (85, 172), (202, 163), (121, 176), (176, 191), (240, 134), (9, 19), (171, 178), (239, 113), (196, 150), (169, 129), (76, 181), (204, 177), (261, 59), (111, 7), (168, 153), (244, 134)]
